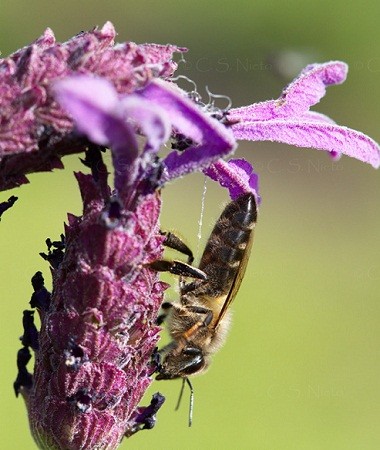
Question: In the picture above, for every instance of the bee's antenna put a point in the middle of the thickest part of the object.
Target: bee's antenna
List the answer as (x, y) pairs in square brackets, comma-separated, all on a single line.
[(180, 394), (191, 407), (191, 401)]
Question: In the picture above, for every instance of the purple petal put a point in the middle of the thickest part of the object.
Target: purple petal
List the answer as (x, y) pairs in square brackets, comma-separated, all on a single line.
[(236, 175), (212, 139), (90, 112), (322, 136), (305, 91), (183, 113), (152, 122), (151, 119), (313, 116), (100, 117), (194, 158), (108, 121)]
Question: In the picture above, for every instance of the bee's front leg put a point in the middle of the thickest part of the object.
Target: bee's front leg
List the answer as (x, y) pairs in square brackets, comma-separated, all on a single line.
[(176, 243), (178, 268)]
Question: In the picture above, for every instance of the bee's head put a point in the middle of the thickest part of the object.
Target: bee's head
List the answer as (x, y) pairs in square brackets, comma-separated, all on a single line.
[(189, 360)]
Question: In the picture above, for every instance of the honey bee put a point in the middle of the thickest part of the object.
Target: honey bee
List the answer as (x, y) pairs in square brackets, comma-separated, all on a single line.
[(199, 322)]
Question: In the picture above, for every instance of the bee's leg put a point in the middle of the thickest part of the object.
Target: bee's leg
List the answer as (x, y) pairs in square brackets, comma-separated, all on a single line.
[(205, 322), (155, 361), (165, 307), (174, 242), (178, 268), (203, 311)]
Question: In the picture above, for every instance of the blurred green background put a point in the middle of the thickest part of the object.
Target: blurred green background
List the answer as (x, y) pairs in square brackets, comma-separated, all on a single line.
[(301, 367)]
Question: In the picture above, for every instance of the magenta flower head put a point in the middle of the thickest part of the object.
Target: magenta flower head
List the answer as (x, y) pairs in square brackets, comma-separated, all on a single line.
[(95, 352)]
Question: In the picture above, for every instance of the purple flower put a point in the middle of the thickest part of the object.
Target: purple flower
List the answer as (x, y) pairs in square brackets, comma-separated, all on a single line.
[(98, 333), (289, 120), (34, 130)]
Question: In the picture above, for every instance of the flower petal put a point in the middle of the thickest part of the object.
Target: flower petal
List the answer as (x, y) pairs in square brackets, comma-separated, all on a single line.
[(153, 122), (313, 116), (236, 175), (90, 112), (305, 91), (212, 139), (321, 136), (151, 119), (106, 120)]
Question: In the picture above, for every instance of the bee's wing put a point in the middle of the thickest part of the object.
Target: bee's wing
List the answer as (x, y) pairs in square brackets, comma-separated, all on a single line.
[(236, 282)]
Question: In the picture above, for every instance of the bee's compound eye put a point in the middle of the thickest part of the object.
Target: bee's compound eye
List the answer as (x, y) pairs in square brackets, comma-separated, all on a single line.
[(192, 351), (194, 360)]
